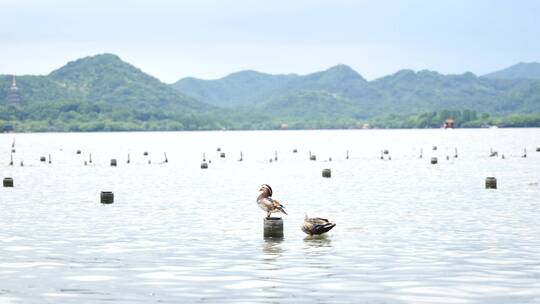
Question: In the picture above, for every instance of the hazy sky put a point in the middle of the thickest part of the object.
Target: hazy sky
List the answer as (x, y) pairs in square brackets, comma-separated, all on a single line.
[(210, 39)]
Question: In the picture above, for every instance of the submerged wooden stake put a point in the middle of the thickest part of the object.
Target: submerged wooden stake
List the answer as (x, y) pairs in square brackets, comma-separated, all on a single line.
[(327, 173), (491, 183), (107, 197), (8, 182), (273, 227)]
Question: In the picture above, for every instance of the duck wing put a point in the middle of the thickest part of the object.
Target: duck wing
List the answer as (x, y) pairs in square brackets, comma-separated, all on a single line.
[(278, 206)]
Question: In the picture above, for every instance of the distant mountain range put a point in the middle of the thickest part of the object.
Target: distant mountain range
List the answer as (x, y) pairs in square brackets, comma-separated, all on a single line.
[(342, 91), (250, 99)]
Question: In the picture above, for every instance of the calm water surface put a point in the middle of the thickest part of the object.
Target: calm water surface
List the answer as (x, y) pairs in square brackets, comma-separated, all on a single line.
[(407, 231)]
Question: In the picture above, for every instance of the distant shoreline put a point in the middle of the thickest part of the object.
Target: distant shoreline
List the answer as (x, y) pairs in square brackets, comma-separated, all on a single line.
[(263, 130)]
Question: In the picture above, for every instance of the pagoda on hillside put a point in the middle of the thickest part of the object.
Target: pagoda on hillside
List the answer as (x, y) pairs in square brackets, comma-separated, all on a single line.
[(13, 95)]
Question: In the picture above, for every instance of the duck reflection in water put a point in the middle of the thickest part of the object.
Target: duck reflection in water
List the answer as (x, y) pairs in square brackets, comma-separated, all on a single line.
[(318, 241)]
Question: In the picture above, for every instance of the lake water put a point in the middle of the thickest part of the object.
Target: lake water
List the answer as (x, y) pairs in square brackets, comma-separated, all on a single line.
[(407, 231)]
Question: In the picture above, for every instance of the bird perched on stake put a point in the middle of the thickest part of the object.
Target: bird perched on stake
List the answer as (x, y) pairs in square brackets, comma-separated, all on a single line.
[(316, 225), (268, 204)]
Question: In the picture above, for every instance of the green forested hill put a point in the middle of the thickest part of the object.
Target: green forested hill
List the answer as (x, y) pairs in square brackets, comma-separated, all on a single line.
[(102, 92), (522, 70), (240, 89)]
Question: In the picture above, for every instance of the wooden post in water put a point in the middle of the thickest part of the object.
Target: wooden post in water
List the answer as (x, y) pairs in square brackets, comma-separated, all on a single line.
[(491, 183), (107, 197), (128, 160), (327, 173), (166, 159), (275, 155), (11, 160), (273, 227), (50, 159), (8, 182)]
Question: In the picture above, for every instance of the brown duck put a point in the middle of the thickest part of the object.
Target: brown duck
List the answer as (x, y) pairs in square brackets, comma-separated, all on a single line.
[(267, 203), (316, 225)]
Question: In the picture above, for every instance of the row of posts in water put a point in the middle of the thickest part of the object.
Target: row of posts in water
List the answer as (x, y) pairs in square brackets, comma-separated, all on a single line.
[(107, 197), (113, 161), (385, 155)]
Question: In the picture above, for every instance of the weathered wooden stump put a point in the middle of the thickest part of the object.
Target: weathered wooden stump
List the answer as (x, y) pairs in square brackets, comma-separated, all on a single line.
[(434, 160), (204, 165), (491, 183), (273, 227), (327, 173), (222, 155), (107, 197), (113, 162), (8, 182), (42, 159)]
